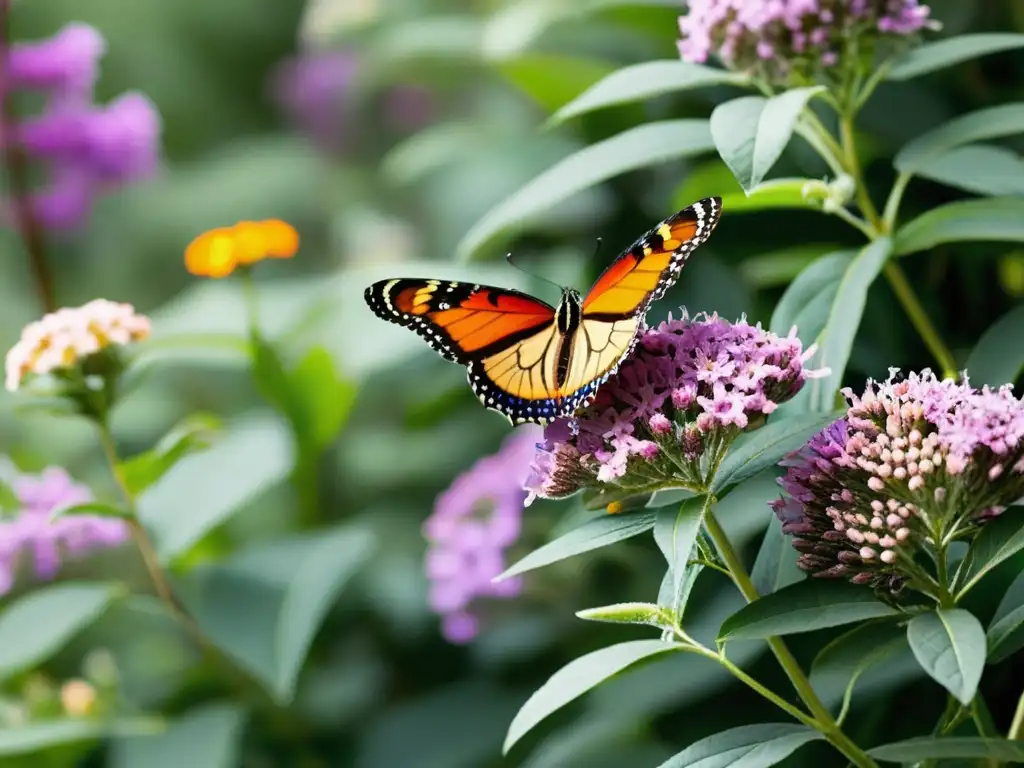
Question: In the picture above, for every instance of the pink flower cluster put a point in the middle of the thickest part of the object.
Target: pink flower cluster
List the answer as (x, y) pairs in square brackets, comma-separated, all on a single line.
[(32, 530), (912, 456), (88, 149), (772, 37), (474, 522), (691, 387)]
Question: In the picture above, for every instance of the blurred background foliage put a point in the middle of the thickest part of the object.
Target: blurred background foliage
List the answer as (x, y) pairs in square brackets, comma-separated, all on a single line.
[(441, 119)]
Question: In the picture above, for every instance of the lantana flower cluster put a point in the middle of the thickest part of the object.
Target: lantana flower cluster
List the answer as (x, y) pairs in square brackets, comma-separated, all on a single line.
[(473, 524), (670, 412), (915, 460), (30, 529), (774, 38), (64, 340), (88, 149)]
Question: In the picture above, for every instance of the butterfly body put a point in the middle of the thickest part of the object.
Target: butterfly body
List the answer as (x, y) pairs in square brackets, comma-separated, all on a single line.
[(534, 362)]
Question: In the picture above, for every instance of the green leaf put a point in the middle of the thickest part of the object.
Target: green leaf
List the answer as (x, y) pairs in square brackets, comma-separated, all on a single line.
[(998, 357), (755, 451), (978, 168), (325, 398), (91, 508), (205, 737), (579, 676), (945, 748), (806, 302), (998, 540), (34, 627), (647, 145), (949, 644), (628, 613), (843, 321), (990, 123), (945, 53), (748, 746), (600, 532), (999, 219), (1005, 634), (644, 81), (778, 269), (840, 664), (551, 80), (675, 532), (803, 607), (193, 434), (264, 605), (664, 498), (751, 132), (202, 490), (274, 384), (775, 566), (51, 733), (9, 501)]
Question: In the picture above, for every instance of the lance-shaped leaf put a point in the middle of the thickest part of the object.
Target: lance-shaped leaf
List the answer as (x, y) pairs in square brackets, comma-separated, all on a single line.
[(748, 746), (949, 644)]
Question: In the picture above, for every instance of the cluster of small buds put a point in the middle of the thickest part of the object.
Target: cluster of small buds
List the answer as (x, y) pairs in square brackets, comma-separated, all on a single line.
[(64, 340), (88, 149), (912, 457), (777, 38), (692, 386)]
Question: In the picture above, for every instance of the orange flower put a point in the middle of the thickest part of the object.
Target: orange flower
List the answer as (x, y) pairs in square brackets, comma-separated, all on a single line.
[(218, 252)]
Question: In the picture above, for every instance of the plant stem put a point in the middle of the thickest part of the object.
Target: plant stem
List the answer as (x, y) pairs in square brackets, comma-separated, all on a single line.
[(1016, 731), (16, 166), (849, 149), (919, 318), (822, 717)]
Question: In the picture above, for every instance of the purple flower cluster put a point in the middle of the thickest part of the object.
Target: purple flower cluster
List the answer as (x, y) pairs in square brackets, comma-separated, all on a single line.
[(672, 409), (31, 529), (474, 522), (775, 37), (914, 458), (87, 148)]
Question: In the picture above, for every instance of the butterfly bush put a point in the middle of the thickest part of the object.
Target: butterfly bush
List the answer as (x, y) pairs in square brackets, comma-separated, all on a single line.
[(31, 531), (668, 415), (778, 38), (473, 524), (915, 461), (87, 149)]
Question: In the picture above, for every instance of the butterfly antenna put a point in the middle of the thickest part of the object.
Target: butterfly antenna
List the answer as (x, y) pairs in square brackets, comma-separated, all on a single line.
[(508, 258), (597, 248)]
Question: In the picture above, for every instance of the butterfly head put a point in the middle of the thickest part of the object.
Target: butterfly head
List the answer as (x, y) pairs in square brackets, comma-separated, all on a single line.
[(569, 311)]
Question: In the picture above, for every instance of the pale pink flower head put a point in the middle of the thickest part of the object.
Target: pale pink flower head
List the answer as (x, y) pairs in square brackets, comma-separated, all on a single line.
[(914, 457), (63, 341)]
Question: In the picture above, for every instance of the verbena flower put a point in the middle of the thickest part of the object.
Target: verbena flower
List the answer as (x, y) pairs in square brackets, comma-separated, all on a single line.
[(31, 532), (88, 149), (776, 38), (218, 252), (912, 461), (668, 415), (66, 340), (473, 524)]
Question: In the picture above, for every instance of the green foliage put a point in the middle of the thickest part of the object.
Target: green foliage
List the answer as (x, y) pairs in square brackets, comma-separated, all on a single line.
[(757, 746), (205, 737), (949, 644)]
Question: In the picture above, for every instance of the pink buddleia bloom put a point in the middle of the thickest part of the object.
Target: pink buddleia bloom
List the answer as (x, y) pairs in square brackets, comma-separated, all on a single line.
[(773, 38), (913, 456), (31, 534), (473, 524), (690, 388)]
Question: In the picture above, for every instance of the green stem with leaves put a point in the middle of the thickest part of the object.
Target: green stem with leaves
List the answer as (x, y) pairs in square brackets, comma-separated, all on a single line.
[(1016, 731), (821, 719)]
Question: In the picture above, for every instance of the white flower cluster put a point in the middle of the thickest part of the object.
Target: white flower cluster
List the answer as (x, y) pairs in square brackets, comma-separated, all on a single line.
[(62, 339)]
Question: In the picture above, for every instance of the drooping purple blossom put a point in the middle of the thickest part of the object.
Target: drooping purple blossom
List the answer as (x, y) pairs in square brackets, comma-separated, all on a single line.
[(473, 524), (912, 458), (88, 149), (30, 532), (774, 38), (672, 409)]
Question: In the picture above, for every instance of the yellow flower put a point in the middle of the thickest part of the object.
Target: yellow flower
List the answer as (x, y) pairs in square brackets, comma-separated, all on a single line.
[(218, 252)]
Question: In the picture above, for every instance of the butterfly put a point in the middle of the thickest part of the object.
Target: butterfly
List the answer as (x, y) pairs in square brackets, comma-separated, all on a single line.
[(533, 362)]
